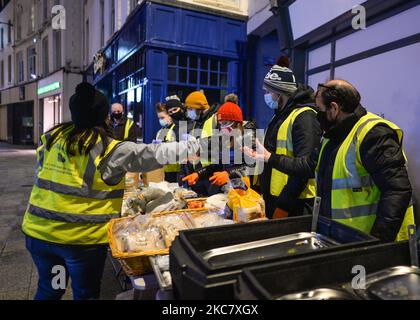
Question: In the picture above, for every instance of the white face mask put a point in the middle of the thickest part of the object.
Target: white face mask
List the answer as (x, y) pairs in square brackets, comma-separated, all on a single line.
[(226, 128), (272, 104), (163, 122), (192, 114)]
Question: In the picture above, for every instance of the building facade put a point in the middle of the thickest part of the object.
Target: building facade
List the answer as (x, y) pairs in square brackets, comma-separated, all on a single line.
[(42, 66), (165, 48)]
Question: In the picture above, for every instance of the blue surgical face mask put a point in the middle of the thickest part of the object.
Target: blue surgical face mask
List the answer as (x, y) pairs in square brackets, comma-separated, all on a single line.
[(163, 122), (272, 104), (192, 114)]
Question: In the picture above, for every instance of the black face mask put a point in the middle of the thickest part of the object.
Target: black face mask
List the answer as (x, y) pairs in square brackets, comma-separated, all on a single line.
[(179, 116), (117, 116), (323, 121)]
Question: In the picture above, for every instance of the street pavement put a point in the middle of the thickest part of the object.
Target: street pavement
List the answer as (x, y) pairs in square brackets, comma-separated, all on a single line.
[(18, 275)]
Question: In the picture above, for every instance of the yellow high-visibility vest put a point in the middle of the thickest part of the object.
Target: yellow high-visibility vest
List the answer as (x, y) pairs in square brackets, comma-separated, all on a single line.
[(170, 137), (128, 125), (207, 132), (354, 195), (70, 203), (285, 147)]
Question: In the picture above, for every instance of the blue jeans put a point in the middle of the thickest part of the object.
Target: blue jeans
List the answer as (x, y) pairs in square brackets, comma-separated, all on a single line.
[(83, 264)]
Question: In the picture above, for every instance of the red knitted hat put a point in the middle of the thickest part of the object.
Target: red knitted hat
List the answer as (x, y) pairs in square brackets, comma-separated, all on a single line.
[(230, 112)]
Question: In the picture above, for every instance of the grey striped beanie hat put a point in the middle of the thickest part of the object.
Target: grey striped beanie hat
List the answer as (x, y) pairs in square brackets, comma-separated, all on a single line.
[(280, 80)]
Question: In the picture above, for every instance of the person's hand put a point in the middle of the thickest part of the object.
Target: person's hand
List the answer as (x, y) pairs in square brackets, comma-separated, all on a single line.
[(191, 179), (220, 178), (260, 153), (280, 214)]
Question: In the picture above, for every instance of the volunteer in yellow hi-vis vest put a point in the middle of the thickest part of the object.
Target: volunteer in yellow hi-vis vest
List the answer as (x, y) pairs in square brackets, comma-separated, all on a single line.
[(361, 169), (167, 134), (124, 129), (293, 131), (78, 188), (204, 122)]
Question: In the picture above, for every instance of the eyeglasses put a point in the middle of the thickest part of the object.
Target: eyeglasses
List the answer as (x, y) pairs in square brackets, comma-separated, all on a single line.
[(321, 85), (225, 124)]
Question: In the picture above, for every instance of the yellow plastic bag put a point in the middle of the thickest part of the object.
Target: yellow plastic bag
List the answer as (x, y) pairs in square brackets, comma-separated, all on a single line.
[(246, 205)]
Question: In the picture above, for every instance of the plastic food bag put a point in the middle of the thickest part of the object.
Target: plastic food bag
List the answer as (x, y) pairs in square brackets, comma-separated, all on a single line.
[(210, 220), (246, 205), (217, 202)]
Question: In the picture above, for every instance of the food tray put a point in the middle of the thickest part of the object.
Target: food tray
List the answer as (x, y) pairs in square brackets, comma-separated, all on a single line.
[(279, 246)]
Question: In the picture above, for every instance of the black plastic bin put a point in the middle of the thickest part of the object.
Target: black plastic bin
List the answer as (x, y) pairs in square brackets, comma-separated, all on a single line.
[(195, 278), (275, 280)]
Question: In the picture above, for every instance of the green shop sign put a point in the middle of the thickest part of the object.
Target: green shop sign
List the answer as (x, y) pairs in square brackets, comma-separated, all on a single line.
[(49, 88)]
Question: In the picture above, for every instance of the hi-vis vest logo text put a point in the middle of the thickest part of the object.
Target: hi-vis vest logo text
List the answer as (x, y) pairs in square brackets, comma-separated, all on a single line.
[(61, 158)]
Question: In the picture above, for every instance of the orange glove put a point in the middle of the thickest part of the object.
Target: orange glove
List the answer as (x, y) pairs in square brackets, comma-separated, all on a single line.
[(192, 179), (280, 214), (220, 178)]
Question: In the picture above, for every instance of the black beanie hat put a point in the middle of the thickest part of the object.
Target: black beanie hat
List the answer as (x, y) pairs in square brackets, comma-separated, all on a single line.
[(88, 106), (173, 102)]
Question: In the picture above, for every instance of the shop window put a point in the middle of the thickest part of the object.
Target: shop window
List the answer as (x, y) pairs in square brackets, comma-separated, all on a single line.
[(183, 75), (172, 58), (45, 56), (172, 74), (20, 65), (223, 80), (183, 61), (223, 66), (214, 65), (204, 78), (32, 63), (191, 73), (193, 76), (214, 79), (193, 62), (204, 64)]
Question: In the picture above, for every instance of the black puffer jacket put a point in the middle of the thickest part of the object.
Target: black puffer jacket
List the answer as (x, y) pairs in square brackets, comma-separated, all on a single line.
[(306, 135), (382, 157)]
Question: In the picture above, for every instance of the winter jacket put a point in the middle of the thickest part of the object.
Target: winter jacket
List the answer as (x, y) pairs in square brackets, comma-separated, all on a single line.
[(131, 157), (118, 130), (382, 157), (306, 135)]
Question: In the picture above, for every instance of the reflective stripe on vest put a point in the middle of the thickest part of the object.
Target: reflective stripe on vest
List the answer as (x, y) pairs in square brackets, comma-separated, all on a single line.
[(354, 195), (207, 132), (285, 147), (175, 167), (128, 125), (70, 203), (71, 217)]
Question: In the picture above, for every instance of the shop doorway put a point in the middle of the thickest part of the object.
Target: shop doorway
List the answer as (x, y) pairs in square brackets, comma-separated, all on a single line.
[(21, 123), (50, 112)]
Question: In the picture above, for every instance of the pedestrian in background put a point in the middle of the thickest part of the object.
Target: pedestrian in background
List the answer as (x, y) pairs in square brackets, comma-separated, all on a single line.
[(124, 129)]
